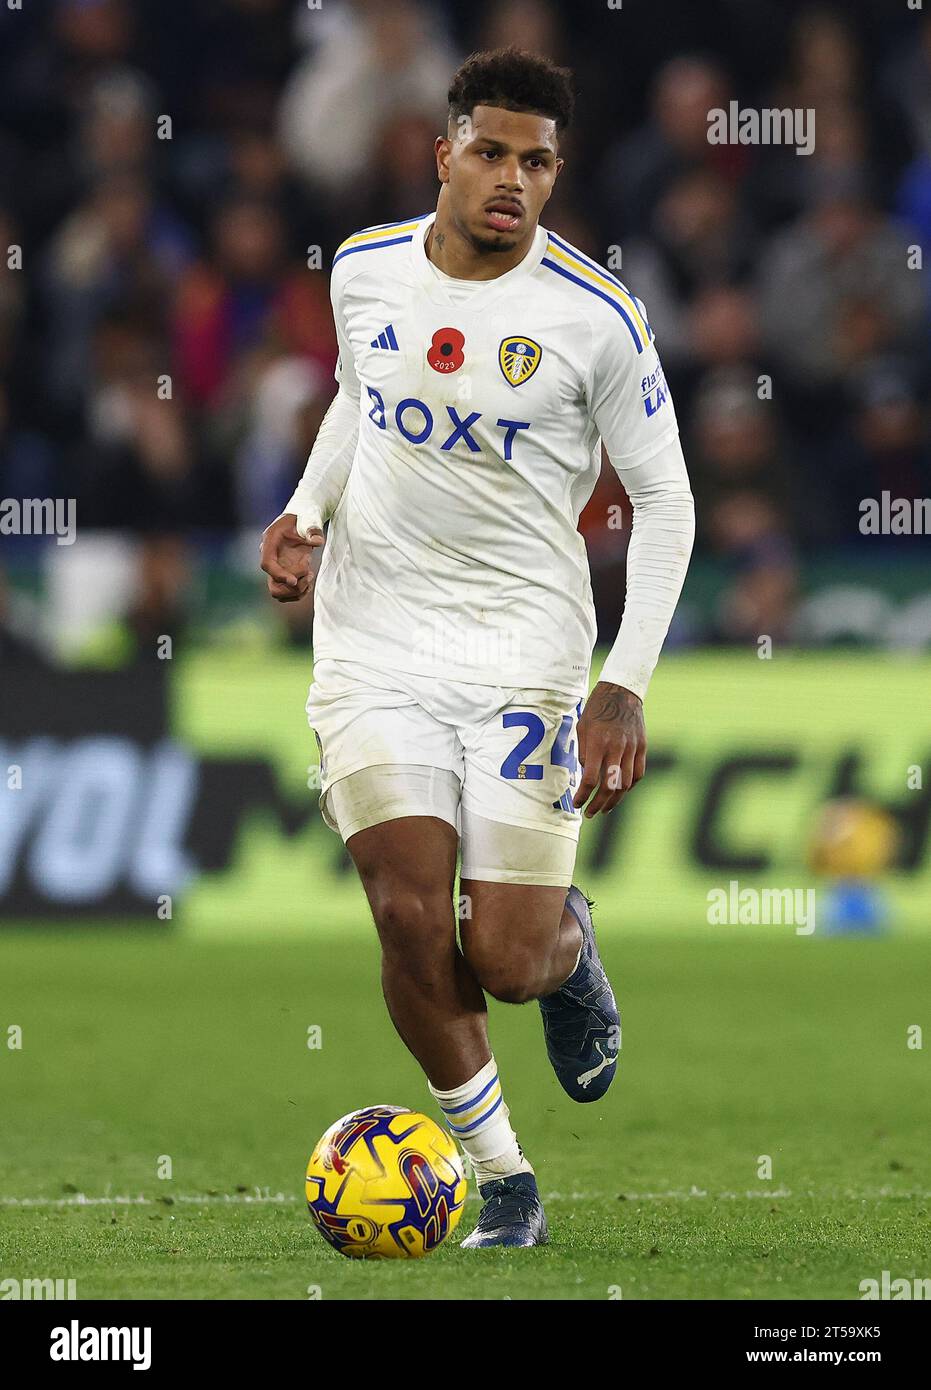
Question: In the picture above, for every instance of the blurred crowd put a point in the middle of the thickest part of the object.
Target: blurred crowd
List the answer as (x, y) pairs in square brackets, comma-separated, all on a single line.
[(171, 173)]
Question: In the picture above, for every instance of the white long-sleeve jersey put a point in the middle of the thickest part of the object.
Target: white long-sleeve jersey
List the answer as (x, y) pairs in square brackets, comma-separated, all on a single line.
[(463, 443)]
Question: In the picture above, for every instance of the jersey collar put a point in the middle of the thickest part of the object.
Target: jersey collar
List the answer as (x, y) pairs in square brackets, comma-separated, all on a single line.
[(487, 289)]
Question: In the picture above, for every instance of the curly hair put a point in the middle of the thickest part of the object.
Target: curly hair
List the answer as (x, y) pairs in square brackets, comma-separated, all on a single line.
[(515, 80)]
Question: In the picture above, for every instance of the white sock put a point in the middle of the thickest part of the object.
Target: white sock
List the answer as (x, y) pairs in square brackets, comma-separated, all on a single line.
[(477, 1118)]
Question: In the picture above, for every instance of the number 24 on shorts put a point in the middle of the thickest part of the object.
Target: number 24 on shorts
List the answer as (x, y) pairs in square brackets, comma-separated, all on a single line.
[(562, 754)]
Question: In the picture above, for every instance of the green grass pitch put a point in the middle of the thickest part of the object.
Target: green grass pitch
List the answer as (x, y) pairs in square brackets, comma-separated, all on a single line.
[(734, 1048)]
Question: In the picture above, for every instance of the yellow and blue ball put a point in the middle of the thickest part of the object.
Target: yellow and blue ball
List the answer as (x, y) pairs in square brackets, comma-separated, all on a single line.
[(385, 1183)]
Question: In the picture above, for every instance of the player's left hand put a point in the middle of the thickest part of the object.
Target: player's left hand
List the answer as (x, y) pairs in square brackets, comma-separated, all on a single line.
[(286, 557), (612, 747)]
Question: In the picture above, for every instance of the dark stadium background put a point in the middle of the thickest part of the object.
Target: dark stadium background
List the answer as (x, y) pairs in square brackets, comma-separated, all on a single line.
[(164, 873), (188, 256)]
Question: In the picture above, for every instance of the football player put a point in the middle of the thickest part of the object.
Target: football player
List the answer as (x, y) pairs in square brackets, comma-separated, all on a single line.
[(482, 362)]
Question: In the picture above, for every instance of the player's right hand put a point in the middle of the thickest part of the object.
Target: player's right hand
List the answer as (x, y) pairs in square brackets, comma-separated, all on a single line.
[(286, 558)]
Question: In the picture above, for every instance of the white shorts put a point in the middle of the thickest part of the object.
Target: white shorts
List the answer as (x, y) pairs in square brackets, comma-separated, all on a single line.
[(497, 762)]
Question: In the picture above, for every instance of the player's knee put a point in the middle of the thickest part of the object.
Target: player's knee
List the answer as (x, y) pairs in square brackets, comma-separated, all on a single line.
[(410, 923), (512, 987), (511, 978)]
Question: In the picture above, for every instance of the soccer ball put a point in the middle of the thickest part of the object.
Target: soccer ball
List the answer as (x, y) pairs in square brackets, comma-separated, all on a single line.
[(385, 1183)]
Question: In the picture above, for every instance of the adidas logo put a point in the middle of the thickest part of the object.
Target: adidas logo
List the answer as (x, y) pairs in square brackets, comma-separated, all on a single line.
[(386, 339)]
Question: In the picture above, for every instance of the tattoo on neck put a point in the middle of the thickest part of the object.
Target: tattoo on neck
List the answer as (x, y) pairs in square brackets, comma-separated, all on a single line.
[(438, 239)]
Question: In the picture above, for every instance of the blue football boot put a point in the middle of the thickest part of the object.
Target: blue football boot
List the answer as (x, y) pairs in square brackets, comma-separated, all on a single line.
[(581, 1022), (512, 1214)]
